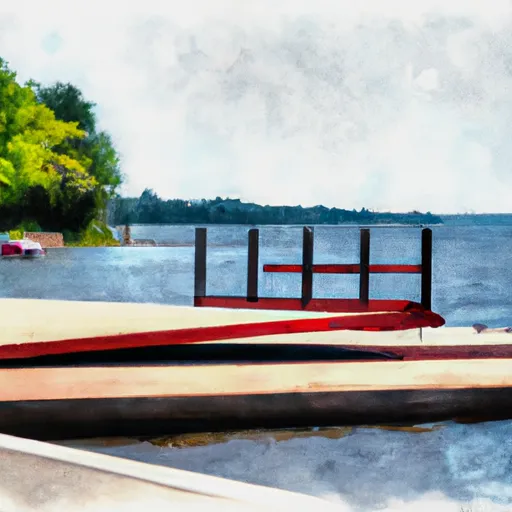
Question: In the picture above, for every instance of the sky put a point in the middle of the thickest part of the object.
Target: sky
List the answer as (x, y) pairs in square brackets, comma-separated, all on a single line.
[(394, 105)]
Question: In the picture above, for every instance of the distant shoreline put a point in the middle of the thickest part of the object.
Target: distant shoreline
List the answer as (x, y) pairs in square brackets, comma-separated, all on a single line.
[(263, 226), (151, 209), (450, 221)]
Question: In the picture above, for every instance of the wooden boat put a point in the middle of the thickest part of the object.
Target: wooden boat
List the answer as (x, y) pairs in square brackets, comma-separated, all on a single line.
[(85, 369), (40, 476), (77, 369)]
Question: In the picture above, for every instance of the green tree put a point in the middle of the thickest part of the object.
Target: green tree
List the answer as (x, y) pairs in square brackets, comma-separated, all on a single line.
[(149, 207), (68, 103), (96, 150), (29, 136)]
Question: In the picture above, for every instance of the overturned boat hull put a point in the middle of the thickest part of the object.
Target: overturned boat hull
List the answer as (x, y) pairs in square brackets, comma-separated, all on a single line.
[(153, 417), (60, 403), (71, 370)]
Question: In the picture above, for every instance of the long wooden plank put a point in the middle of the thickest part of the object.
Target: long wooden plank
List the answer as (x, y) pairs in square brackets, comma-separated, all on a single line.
[(260, 379), (363, 322)]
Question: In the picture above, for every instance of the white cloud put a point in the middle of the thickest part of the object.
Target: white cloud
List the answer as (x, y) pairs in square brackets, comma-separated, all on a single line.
[(390, 105)]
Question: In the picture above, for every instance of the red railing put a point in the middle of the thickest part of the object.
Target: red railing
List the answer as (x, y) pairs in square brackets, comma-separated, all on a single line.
[(307, 268)]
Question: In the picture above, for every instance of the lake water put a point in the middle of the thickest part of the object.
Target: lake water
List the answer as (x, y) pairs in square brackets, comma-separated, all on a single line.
[(472, 268), (455, 468)]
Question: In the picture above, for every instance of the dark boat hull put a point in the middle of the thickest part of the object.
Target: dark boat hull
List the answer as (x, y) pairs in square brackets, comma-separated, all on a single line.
[(145, 417)]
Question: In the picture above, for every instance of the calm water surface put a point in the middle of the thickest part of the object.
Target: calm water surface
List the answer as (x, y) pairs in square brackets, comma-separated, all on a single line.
[(459, 467), (472, 268)]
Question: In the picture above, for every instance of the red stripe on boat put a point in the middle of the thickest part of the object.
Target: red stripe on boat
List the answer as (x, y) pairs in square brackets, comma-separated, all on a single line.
[(369, 322)]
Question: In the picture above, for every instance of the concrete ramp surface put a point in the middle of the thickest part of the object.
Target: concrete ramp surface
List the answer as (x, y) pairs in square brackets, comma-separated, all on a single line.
[(46, 478)]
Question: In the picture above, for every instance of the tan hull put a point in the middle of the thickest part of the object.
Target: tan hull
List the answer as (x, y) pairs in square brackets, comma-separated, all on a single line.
[(58, 403)]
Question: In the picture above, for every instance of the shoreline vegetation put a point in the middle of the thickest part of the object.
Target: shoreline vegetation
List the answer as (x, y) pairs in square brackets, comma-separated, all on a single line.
[(58, 170), (97, 234), (129, 211), (151, 209)]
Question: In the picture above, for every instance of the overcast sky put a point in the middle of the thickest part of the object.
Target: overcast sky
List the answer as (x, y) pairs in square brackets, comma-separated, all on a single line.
[(399, 105)]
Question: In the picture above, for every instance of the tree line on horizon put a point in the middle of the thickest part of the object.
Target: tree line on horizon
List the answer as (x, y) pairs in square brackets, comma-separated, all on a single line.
[(149, 208), (57, 169)]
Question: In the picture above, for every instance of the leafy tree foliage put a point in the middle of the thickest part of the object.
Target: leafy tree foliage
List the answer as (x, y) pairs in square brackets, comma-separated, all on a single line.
[(55, 168), (96, 147)]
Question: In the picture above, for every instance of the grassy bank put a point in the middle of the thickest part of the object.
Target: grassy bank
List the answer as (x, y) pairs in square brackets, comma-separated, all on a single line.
[(97, 234), (18, 231)]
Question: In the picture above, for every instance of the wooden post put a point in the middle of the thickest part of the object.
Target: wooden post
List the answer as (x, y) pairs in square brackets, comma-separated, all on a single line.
[(426, 268), (307, 266), (127, 235), (364, 266), (252, 265), (200, 263)]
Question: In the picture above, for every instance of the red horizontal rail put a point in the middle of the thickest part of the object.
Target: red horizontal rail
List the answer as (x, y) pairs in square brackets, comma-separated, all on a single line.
[(318, 305), (398, 320), (345, 269)]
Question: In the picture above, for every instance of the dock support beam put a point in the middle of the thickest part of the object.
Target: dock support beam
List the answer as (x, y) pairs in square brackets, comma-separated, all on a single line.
[(200, 263), (364, 266), (307, 266), (253, 265), (426, 269)]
